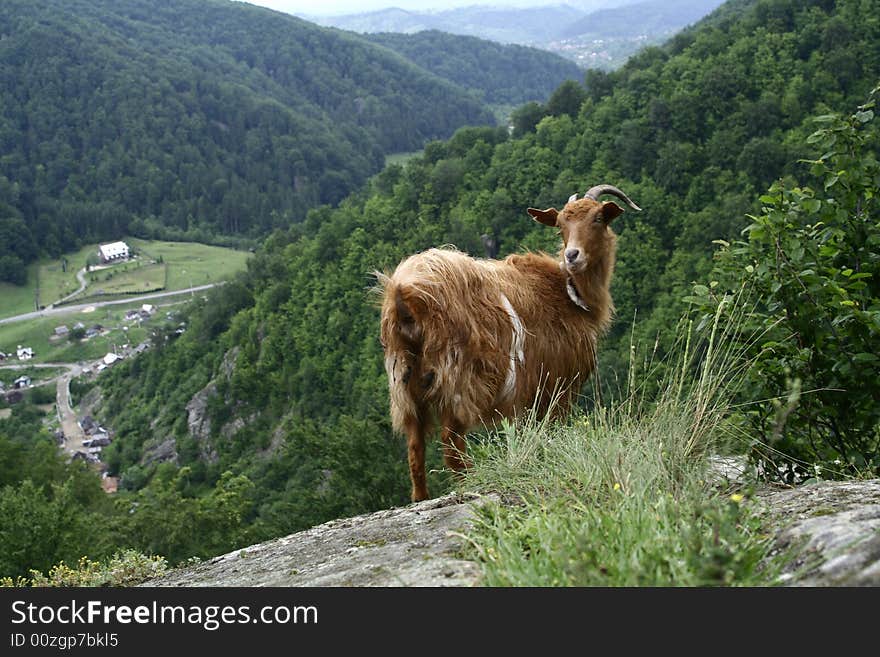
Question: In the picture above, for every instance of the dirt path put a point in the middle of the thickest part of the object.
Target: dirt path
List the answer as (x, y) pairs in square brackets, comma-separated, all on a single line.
[(73, 435), (81, 277)]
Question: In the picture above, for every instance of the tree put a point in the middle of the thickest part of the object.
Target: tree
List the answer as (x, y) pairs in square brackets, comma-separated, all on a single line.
[(810, 271), (567, 99)]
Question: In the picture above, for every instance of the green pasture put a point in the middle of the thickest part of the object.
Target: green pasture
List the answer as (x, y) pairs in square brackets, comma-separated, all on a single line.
[(160, 266), (19, 299), (36, 333), (190, 264), (57, 281), (126, 278), (8, 375)]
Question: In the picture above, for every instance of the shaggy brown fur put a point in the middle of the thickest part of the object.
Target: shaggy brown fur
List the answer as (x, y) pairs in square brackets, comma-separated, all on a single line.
[(470, 341)]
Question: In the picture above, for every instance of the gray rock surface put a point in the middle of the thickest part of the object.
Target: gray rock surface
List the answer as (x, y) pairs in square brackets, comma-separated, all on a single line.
[(832, 530), (418, 545), (827, 534)]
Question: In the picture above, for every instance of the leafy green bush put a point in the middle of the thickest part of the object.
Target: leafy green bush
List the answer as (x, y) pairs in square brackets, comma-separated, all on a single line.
[(125, 568), (811, 266)]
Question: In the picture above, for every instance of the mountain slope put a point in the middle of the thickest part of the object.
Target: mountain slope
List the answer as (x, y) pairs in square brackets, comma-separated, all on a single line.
[(196, 118), (530, 25), (593, 38), (657, 18), (500, 74), (280, 376)]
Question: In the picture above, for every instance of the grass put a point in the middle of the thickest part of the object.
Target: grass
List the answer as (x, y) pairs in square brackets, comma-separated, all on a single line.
[(126, 279), (190, 264), (56, 280), (35, 333), (19, 299), (623, 496), (182, 265), (37, 374)]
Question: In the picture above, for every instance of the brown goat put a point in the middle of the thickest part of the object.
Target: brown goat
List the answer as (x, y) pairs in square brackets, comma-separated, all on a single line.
[(470, 341)]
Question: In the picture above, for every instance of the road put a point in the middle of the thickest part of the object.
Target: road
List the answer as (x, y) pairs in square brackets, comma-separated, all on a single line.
[(64, 310), (73, 435)]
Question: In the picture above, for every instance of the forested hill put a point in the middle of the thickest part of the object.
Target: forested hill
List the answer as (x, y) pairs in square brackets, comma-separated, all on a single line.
[(280, 376), (192, 118), (500, 74)]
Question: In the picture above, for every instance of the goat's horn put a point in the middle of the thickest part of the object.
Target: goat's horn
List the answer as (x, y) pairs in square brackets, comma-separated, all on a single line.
[(573, 197), (597, 191)]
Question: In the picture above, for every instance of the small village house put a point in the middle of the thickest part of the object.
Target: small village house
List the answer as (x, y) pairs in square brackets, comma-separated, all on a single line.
[(86, 423), (22, 382), (114, 252), (24, 353)]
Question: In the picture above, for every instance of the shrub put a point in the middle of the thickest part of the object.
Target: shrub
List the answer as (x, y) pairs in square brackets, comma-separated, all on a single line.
[(811, 264), (125, 568)]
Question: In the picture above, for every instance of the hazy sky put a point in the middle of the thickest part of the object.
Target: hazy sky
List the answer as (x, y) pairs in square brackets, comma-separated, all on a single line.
[(330, 7)]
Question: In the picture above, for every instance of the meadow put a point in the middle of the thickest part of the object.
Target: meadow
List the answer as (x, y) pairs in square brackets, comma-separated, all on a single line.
[(36, 333), (19, 299), (160, 266)]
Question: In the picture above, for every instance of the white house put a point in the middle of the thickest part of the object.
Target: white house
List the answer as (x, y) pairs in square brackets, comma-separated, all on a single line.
[(110, 358), (113, 251), (24, 353)]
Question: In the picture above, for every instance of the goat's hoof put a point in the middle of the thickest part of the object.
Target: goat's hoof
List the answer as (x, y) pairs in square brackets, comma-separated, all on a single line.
[(419, 496)]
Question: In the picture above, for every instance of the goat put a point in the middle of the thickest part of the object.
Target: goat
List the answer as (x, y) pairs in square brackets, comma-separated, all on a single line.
[(467, 341)]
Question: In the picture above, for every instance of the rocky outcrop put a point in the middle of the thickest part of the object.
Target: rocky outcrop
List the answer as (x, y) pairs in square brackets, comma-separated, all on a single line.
[(198, 423), (418, 545), (160, 451), (827, 534)]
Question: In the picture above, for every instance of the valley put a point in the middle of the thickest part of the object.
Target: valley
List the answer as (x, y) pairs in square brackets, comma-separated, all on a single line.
[(314, 159)]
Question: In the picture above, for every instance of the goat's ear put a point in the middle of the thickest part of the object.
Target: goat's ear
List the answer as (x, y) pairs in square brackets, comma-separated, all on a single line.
[(546, 217), (610, 210)]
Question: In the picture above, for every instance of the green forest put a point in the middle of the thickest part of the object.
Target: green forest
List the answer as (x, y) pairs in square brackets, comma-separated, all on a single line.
[(498, 74), (750, 142), (207, 121)]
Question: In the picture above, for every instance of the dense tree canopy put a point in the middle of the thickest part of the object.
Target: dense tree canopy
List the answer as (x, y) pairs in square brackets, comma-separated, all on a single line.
[(286, 360), (497, 73), (201, 119)]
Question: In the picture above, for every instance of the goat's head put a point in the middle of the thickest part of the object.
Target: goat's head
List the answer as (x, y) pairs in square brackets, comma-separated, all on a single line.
[(584, 226)]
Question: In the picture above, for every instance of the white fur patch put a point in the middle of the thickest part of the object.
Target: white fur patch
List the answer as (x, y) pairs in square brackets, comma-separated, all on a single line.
[(575, 296), (517, 343)]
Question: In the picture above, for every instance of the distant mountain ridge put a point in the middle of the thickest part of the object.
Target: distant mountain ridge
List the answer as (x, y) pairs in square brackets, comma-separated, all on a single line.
[(593, 37), (498, 74), (206, 120)]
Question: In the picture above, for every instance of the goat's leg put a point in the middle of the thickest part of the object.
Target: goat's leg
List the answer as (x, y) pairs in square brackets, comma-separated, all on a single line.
[(415, 435), (454, 446)]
